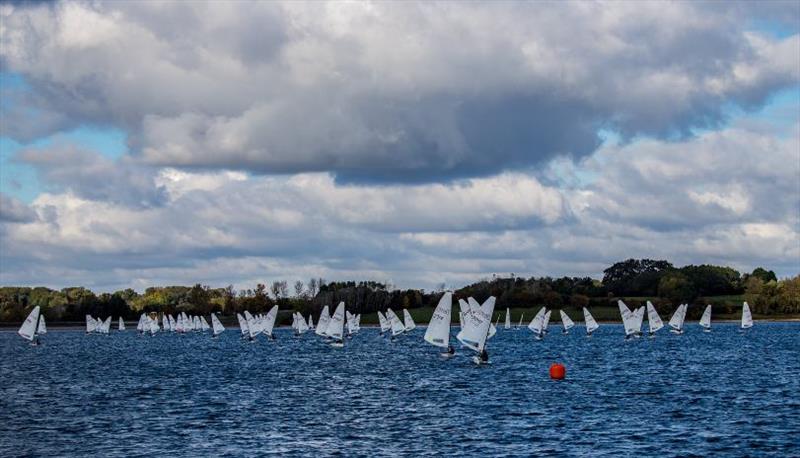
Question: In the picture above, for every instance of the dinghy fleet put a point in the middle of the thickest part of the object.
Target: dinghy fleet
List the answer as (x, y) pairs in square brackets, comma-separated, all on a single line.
[(475, 324)]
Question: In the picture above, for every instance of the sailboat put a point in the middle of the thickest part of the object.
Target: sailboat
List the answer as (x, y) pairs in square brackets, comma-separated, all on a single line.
[(747, 317), (42, 329), (302, 326), (591, 323), (519, 325), (253, 328), (537, 323), (120, 324), (203, 324), (91, 325), (310, 322), (676, 322), (654, 322), (639, 315), (628, 320), (268, 322), (324, 321), (30, 326), (397, 326), (409, 322), (546, 324), (242, 324), (476, 331), (385, 326), (566, 321), (105, 326), (705, 320), (508, 319), (475, 307), (438, 332), (336, 327), (216, 326), (497, 321)]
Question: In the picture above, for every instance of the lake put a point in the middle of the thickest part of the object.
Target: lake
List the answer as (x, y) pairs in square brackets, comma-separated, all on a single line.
[(721, 393)]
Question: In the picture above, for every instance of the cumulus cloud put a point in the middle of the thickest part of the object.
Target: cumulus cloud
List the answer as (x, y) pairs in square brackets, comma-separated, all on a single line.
[(14, 211), (415, 143), (728, 197), (89, 174), (385, 92)]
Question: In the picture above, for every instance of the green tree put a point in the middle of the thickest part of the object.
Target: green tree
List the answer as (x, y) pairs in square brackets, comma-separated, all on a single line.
[(764, 275), (676, 287)]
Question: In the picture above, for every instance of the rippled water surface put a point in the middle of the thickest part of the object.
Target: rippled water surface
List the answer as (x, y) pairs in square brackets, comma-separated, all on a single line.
[(726, 393)]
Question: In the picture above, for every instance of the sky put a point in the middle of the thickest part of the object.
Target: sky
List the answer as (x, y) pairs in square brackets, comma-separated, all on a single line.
[(414, 143)]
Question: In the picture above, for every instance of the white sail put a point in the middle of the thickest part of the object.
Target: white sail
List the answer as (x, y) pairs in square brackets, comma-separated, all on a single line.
[(385, 326), (203, 324), (477, 326), (42, 326), (242, 323), (537, 323), (654, 322), (107, 325), (349, 322), (172, 324), (676, 322), (463, 310), (639, 315), (566, 321), (409, 322), (324, 321), (438, 332), (253, 328), (336, 324), (310, 322), (269, 320), (747, 317), (216, 325), (705, 320), (628, 319), (397, 326), (546, 322), (474, 308), (302, 326), (520, 320), (120, 324), (28, 329), (591, 323), (91, 325), (508, 318)]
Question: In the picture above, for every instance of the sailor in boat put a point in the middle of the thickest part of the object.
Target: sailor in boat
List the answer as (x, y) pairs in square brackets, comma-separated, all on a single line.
[(484, 356), (450, 350)]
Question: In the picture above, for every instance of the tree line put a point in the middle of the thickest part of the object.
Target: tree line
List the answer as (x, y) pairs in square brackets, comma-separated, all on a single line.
[(633, 279)]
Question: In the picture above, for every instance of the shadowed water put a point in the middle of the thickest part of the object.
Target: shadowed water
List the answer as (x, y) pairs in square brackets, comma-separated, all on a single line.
[(725, 393)]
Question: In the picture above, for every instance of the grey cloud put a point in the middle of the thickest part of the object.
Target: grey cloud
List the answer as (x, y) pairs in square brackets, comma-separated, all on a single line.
[(386, 92), (15, 211), (93, 176)]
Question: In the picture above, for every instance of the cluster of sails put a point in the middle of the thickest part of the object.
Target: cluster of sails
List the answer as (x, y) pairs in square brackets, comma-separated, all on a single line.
[(475, 320), (334, 328), (182, 324)]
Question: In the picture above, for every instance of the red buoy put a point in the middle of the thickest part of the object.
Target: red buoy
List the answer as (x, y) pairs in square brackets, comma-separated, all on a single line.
[(558, 371)]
